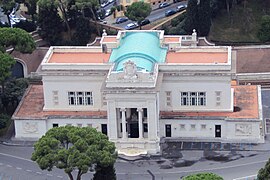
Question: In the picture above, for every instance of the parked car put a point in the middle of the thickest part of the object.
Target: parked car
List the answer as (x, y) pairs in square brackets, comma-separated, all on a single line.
[(108, 12), (104, 4), (111, 1), (163, 5), (170, 12), (181, 7), (131, 26), (144, 22), (121, 20)]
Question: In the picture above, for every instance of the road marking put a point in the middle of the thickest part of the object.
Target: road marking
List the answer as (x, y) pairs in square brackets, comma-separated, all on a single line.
[(61, 177), (246, 177), (18, 168), (38, 172), (28, 170), (49, 174), (198, 170), (9, 165), (16, 157)]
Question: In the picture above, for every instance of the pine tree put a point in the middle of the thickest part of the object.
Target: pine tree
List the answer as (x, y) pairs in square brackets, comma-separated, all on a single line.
[(50, 23), (203, 18)]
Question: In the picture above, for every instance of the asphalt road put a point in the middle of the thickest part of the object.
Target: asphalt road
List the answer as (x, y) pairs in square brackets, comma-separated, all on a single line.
[(155, 14), (15, 164)]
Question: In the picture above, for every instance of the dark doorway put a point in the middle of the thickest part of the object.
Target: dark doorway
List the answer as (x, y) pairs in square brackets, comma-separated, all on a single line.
[(218, 130), (134, 130), (168, 130), (17, 70), (104, 129)]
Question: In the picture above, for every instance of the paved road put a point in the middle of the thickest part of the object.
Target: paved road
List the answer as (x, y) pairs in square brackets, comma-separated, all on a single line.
[(155, 14), (15, 164)]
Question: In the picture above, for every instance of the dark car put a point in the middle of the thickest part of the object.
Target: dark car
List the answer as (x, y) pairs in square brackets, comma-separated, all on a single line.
[(121, 20), (163, 5), (170, 12), (144, 22)]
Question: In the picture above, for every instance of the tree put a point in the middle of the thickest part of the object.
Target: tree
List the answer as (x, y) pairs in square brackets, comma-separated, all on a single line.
[(198, 17), (104, 173), (16, 39), (203, 18), (264, 173), (88, 6), (264, 30), (62, 5), (138, 11), (71, 148), (50, 24), (14, 90), (31, 7), (190, 21), (201, 176), (6, 62), (83, 32)]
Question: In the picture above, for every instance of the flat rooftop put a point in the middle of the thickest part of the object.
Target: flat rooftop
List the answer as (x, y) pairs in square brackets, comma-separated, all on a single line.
[(79, 57), (197, 57), (108, 39), (245, 99)]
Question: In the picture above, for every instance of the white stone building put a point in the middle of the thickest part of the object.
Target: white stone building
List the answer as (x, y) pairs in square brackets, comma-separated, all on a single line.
[(141, 86)]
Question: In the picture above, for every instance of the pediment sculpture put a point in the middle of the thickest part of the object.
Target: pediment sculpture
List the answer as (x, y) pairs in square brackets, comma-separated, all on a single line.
[(130, 70)]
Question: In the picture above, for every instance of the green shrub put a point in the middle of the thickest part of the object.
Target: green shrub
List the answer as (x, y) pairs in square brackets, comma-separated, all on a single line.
[(203, 176), (4, 120)]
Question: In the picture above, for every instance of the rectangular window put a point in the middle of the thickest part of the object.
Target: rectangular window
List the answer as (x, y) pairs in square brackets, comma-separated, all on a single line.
[(69, 124), (193, 127), (80, 98), (182, 127), (89, 125), (168, 98), (203, 126), (193, 98), (218, 98)]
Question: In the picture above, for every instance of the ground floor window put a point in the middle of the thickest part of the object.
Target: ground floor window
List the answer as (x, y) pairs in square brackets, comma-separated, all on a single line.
[(55, 125)]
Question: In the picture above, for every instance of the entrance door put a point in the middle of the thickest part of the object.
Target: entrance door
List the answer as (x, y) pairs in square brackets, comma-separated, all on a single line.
[(134, 130), (104, 129), (168, 130), (218, 130)]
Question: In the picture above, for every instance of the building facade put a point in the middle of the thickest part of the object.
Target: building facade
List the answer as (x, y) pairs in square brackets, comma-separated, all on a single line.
[(140, 86)]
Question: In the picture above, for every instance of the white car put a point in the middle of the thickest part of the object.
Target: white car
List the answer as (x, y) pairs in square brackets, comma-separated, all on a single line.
[(108, 12), (131, 26), (106, 3)]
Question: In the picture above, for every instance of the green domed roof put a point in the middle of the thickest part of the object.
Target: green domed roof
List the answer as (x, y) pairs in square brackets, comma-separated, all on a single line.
[(143, 48)]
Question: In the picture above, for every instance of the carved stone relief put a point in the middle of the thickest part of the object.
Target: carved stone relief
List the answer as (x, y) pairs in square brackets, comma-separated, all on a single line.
[(30, 127), (243, 129), (130, 70)]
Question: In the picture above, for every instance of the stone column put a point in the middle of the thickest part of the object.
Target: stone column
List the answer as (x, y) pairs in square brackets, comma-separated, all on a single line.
[(140, 110), (124, 128)]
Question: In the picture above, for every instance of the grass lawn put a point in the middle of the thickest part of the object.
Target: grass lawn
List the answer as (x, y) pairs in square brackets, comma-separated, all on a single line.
[(243, 24)]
